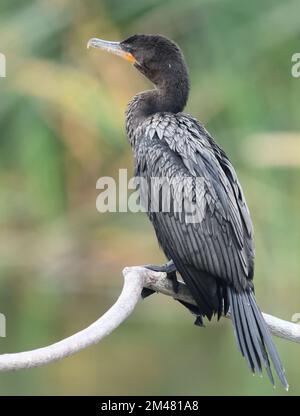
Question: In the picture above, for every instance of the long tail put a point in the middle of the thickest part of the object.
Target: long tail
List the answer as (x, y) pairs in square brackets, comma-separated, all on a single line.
[(253, 336)]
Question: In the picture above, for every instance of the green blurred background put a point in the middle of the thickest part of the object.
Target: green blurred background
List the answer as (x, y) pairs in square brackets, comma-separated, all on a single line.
[(62, 127)]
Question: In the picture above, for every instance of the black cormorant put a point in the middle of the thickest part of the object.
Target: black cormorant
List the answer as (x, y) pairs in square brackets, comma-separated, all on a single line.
[(214, 254)]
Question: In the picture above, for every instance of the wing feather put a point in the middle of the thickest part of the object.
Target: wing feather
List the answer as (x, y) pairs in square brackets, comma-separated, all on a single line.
[(220, 244)]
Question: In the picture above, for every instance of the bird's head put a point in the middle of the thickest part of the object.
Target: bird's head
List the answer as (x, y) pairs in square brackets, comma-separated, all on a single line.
[(155, 56)]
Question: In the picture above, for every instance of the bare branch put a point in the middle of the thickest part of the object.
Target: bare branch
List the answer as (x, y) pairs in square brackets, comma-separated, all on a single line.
[(278, 327), (135, 278)]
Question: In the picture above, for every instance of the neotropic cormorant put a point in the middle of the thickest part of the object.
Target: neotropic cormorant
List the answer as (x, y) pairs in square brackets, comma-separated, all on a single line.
[(214, 254)]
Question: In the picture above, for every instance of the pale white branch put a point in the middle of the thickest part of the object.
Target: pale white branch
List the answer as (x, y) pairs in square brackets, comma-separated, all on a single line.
[(278, 327), (135, 278)]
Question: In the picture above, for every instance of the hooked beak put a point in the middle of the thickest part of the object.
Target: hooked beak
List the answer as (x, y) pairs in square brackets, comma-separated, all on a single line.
[(113, 47)]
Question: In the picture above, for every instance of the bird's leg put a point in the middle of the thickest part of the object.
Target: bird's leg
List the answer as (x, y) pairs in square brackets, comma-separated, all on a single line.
[(168, 268), (173, 278), (195, 311), (199, 321)]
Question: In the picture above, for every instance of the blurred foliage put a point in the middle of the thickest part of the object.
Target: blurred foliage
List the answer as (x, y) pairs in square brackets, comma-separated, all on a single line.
[(62, 127)]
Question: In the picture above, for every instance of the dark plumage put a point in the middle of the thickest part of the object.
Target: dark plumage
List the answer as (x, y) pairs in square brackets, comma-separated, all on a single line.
[(214, 255)]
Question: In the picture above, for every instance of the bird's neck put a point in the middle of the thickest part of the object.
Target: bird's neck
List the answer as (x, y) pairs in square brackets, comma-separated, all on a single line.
[(170, 97)]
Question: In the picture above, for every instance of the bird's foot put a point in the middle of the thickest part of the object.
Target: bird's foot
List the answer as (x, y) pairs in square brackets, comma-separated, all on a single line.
[(163, 268), (168, 268), (199, 321)]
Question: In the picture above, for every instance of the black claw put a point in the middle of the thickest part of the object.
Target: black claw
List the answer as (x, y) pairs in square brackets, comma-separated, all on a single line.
[(154, 268), (175, 284), (168, 268), (164, 268), (199, 321), (147, 292)]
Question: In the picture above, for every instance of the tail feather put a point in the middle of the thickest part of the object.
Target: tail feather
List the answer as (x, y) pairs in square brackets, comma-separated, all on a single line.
[(253, 336), (238, 330), (249, 340), (269, 342), (256, 338)]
